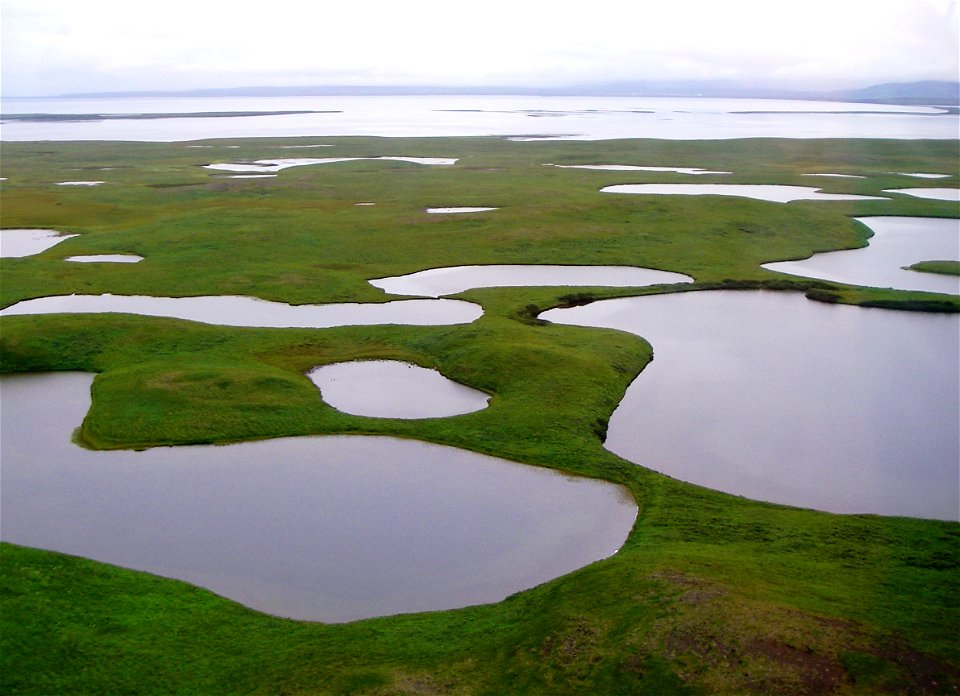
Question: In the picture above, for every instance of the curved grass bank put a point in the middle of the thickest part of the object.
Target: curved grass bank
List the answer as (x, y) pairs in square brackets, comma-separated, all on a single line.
[(710, 594)]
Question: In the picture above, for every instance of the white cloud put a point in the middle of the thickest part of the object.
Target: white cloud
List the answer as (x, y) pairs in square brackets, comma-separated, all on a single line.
[(54, 46)]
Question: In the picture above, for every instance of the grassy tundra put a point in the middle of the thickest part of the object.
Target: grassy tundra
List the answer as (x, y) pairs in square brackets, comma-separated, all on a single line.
[(710, 594)]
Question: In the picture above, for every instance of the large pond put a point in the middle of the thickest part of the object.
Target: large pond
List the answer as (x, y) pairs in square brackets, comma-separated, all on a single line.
[(897, 242), (317, 528), (436, 282), (231, 310), (394, 389), (778, 398)]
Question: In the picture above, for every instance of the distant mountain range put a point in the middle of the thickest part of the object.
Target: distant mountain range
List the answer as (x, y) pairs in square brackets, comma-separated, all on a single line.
[(914, 93)]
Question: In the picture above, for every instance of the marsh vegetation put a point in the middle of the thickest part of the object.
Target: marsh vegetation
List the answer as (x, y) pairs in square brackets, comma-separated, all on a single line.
[(710, 592)]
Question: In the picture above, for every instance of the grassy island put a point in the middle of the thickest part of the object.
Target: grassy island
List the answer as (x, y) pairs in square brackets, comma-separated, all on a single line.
[(711, 593)]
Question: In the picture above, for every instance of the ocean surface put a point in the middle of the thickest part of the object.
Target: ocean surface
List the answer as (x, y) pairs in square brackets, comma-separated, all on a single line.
[(520, 117)]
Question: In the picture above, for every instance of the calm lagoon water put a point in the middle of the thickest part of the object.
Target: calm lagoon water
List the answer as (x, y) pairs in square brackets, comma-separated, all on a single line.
[(897, 242), (394, 389), (775, 397), (231, 310), (436, 282), (317, 528), (520, 117)]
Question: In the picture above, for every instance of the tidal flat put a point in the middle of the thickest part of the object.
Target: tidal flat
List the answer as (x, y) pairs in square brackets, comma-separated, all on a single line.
[(812, 601)]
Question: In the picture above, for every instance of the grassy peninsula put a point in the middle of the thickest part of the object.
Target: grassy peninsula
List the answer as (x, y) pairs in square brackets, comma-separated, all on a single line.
[(941, 266), (711, 593)]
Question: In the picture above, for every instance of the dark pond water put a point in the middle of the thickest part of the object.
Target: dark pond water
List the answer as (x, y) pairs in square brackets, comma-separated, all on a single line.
[(317, 528), (778, 398)]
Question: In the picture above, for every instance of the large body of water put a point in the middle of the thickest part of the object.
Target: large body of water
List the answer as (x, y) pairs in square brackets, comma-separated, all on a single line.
[(317, 528), (775, 397), (586, 118)]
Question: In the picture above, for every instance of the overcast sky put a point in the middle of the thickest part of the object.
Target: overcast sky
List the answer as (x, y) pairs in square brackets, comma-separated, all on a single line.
[(60, 46)]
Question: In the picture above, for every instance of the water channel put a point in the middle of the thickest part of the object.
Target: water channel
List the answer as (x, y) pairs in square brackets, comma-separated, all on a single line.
[(230, 310), (897, 243)]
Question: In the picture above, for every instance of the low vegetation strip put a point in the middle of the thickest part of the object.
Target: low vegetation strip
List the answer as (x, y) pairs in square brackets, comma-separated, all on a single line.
[(943, 267)]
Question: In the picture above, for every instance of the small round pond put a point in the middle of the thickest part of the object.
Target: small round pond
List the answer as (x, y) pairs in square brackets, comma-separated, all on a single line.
[(897, 243), (436, 282), (778, 398), (330, 528), (394, 389), (231, 310)]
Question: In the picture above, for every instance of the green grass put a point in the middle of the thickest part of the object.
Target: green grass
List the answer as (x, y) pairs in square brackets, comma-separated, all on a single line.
[(940, 266), (710, 594)]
